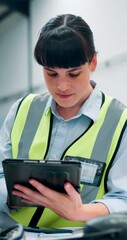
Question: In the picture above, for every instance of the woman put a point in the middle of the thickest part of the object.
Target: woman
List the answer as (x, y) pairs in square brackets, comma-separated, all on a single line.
[(74, 119)]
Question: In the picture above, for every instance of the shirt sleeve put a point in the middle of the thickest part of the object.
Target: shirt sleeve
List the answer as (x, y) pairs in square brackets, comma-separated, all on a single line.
[(5, 151), (116, 197), (5, 143)]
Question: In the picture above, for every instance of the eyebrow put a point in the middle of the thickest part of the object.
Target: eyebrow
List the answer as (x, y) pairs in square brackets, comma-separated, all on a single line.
[(74, 69), (49, 69), (70, 70)]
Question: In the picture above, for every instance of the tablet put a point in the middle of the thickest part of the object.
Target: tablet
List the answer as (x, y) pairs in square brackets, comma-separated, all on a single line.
[(52, 174)]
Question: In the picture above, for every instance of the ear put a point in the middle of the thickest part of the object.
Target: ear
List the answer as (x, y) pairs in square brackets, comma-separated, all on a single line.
[(93, 63)]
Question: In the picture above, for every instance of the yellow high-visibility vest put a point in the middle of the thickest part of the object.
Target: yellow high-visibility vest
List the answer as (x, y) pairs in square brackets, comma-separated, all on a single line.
[(30, 137)]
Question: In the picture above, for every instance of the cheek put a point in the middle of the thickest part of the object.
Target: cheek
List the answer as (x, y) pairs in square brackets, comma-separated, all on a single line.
[(50, 83), (47, 80), (82, 86)]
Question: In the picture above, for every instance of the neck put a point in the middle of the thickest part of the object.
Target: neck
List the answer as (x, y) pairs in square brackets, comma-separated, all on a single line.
[(70, 112), (67, 113)]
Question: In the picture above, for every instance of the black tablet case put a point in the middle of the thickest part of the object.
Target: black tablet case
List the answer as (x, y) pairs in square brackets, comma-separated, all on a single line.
[(52, 174)]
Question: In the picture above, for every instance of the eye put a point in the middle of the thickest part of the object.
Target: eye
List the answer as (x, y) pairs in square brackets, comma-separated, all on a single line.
[(74, 74), (52, 74)]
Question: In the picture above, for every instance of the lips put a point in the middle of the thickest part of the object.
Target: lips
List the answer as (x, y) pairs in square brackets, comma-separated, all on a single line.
[(64, 96)]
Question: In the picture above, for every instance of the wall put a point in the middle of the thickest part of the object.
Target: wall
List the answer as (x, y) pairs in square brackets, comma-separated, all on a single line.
[(108, 20), (13, 60)]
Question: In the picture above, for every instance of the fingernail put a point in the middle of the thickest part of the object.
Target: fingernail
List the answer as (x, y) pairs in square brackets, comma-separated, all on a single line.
[(31, 181)]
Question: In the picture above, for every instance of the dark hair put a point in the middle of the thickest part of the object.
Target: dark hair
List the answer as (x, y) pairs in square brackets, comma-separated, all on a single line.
[(65, 41)]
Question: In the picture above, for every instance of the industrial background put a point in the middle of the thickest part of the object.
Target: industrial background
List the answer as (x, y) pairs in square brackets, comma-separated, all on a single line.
[(20, 23)]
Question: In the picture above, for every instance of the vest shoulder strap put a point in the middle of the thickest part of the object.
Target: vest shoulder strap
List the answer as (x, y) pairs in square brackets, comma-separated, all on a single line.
[(26, 123)]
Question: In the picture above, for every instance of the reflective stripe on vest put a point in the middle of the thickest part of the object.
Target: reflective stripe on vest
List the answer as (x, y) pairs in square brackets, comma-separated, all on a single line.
[(33, 123), (27, 125)]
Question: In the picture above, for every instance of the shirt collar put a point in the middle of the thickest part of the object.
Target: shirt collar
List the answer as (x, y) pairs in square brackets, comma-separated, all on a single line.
[(90, 108)]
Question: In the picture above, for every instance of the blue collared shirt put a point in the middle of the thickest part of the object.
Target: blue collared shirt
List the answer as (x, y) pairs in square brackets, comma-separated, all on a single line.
[(116, 198)]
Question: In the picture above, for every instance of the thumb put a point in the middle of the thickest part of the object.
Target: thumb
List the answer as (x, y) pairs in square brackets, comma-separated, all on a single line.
[(70, 190)]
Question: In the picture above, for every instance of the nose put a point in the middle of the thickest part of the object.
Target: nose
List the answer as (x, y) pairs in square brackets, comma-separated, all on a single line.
[(63, 84)]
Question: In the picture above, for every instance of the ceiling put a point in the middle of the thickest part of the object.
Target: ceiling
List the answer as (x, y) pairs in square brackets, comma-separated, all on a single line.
[(8, 6)]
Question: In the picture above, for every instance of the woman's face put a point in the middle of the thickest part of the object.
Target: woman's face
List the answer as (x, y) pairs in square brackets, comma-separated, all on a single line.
[(70, 87)]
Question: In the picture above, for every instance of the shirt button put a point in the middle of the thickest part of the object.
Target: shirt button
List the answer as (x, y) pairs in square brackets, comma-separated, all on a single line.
[(64, 124)]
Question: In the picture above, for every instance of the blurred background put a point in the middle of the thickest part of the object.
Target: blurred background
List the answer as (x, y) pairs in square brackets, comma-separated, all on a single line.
[(20, 24)]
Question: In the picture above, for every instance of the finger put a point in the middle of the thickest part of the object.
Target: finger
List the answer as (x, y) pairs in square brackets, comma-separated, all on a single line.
[(20, 194), (25, 192), (23, 189), (70, 190), (42, 188), (39, 197), (27, 199), (30, 202)]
